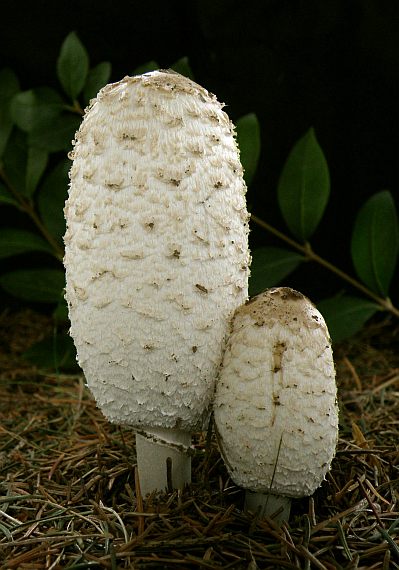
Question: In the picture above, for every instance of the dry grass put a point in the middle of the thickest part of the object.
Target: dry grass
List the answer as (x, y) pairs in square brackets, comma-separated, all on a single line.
[(68, 491)]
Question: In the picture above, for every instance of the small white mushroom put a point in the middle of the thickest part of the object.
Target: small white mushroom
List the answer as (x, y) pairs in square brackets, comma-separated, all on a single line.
[(275, 406), (156, 258)]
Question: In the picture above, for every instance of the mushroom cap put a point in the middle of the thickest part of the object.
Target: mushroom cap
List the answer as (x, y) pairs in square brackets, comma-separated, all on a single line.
[(156, 248), (275, 405)]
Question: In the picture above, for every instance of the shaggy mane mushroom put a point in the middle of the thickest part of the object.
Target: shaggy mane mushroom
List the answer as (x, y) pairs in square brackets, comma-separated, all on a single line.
[(156, 259), (275, 407)]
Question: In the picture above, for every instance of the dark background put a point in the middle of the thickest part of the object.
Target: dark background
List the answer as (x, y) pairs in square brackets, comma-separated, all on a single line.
[(330, 64)]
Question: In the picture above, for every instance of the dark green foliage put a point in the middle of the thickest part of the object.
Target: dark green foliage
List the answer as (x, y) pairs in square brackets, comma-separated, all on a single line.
[(304, 187), (60, 313), (6, 196), (30, 109), (182, 66), (303, 193), (38, 285), (72, 66), (270, 265), (34, 125), (15, 160), (345, 315), (35, 166), (56, 352), (248, 139), (50, 126), (375, 242), (14, 242), (51, 199), (97, 77), (55, 135)]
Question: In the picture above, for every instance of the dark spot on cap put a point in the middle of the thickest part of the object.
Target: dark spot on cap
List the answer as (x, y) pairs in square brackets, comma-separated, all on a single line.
[(201, 288)]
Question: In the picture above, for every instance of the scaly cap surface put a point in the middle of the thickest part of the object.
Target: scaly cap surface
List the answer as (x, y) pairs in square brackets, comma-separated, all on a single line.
[(156, 248), (275, 399)]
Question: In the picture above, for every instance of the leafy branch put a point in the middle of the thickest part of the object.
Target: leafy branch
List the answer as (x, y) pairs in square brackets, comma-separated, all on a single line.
[(27, 206), (36, 130), (310, 255), (35, 124), (303, 194)]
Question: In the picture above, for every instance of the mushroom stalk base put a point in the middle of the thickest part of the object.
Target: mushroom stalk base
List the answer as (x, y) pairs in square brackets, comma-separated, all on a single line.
[(163, 459), (268, 505)]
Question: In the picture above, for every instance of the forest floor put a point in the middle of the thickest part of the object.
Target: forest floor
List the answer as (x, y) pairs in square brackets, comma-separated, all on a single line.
[(69, 497)]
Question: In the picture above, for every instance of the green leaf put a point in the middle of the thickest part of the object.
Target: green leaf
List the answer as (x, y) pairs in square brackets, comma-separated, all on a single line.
[(9, 86), (57, 134), (61, 313), (14, 242), (53, 353), (72, 65), (248, 139), (14, 161), (6, 127), (183, 67), (37, 285), (269, 266), (375, 242), (346, 315), (36, 165), (51, 199), (31, 108), (304, 187), (23, 166), (6, 197), (97, 77), (146, 67)]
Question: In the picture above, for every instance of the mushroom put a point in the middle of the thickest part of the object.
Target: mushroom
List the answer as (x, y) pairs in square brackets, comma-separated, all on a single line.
[(275, 406), (156, 259)]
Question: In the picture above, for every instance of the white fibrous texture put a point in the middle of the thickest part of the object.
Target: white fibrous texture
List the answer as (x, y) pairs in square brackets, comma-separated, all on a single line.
[(275, 406), (156, 248)]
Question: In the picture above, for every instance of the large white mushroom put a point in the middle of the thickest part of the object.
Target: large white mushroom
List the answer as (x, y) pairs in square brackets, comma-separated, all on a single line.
[(275, 407), (156, 258)]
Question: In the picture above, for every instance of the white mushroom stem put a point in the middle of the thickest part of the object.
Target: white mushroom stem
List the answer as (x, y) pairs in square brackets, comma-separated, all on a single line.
[(268, 505), (163, 459)]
